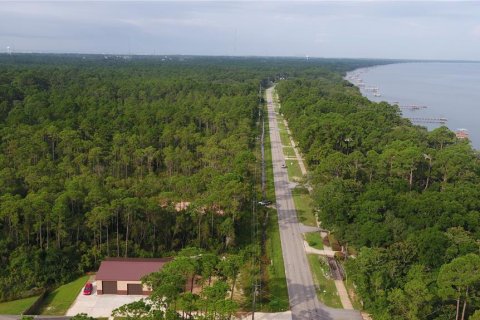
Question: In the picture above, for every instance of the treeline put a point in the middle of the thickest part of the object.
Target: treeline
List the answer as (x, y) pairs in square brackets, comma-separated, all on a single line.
[(406, 198)]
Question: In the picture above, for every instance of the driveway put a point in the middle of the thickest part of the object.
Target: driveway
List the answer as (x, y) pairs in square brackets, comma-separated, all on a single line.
[(99, 305)]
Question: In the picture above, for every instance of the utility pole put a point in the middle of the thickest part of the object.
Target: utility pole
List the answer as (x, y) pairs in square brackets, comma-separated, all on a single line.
[(254, 299)]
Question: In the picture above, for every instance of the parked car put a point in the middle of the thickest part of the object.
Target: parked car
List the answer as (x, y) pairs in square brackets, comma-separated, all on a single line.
[(265, 202), (284, 165), (88, 289)]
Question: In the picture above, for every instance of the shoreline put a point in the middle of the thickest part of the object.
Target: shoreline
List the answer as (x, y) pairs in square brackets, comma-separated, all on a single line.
[(419, 113)]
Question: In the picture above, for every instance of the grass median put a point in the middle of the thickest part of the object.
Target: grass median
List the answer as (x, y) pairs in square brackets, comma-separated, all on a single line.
[(304, 206), (325, 287), (289, 152), (294, 171)]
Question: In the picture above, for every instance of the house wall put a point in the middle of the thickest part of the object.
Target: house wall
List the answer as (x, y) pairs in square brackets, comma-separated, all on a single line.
[(122, 287)]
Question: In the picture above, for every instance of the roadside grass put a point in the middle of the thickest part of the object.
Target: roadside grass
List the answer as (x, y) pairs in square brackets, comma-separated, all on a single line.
[(288, 152), (314, 240), (294, 171), (16, 307), (325, 287), (281, 125), (284, 138), (277, 281), (270, 186), (58, 301), (304, 206)]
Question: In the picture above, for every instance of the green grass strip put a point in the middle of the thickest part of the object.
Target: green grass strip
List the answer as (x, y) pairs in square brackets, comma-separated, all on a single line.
[(304, 206), (288, 152), (284, 137), (294, 171), (16, 306), (326, 290), (314, 240), (58, 301)]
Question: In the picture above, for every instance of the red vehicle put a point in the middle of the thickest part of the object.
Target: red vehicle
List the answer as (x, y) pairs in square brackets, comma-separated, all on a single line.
[(88, 289)]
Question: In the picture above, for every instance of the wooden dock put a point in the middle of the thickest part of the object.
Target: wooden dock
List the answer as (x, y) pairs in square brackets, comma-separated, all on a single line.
[(440, 120)]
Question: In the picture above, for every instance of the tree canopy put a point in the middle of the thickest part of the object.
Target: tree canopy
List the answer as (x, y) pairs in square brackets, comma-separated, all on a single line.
[(405, 198)]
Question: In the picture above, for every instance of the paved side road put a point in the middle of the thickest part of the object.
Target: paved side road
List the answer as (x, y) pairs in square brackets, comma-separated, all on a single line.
[(301, 289)]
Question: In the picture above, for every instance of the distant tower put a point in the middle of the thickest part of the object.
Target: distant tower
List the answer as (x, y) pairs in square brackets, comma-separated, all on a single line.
[(9, 50), (307, 57)]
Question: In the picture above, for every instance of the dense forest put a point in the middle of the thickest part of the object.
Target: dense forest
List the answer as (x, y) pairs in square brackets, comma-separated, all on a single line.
[(118, 158), (403, 199), (127, 156)]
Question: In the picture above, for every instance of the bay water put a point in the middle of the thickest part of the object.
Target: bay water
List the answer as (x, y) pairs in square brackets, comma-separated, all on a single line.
[(442, 90)]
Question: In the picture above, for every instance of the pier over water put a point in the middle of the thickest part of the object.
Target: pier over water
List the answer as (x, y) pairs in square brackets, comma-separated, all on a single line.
[(430, 91)]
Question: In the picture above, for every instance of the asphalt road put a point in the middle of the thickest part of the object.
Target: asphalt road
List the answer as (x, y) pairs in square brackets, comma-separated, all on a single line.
[(301, 289)]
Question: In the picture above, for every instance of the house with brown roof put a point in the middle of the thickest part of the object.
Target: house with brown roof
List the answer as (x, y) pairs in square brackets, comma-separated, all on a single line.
[(123, 275)]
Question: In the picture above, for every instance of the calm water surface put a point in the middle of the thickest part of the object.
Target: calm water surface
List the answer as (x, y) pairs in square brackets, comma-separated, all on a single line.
[(449, 90)]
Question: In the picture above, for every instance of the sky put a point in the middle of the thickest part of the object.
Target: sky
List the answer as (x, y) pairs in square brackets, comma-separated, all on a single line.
[(343, 29)]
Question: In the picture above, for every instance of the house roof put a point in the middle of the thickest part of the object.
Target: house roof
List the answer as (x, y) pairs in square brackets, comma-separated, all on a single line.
[(128, 269)]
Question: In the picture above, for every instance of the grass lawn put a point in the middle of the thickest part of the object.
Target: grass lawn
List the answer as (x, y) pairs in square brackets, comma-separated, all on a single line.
[(314, 240), (59, 300), (16, 306), (288, 152), (277, 281), (284, 138), (304, 206), (294, 171), (280, 124), (326, 290)]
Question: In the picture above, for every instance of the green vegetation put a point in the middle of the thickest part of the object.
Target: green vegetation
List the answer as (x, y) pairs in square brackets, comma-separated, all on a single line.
[(58, 301), (281, 124), (217, 276), (314, 240), (304, 206), (270, 186), (143, 158), (404, 197), (284, 137), (294, 171), (288, 152), (17, 306), (276, 298), (354, 299), (278, 294), (132, 158), (326, 289)]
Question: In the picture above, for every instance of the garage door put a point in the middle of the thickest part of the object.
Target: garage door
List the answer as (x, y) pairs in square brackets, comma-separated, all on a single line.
[(133, 288), (109, 287)]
